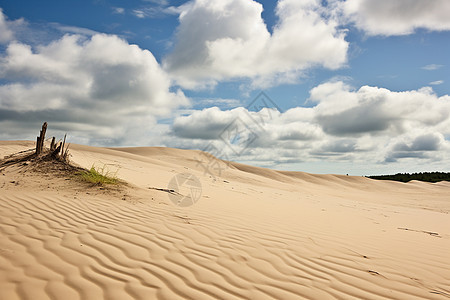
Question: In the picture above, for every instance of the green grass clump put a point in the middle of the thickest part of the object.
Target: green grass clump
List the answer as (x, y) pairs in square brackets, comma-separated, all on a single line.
[(99, 176)]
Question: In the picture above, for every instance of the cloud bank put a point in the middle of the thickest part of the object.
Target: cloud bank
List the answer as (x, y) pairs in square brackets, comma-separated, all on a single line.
[(365, 124), (225, 40), (7, 28), (99, 86), (399, 17)]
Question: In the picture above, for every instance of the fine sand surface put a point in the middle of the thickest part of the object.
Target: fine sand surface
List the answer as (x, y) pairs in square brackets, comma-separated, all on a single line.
[(253, 234)]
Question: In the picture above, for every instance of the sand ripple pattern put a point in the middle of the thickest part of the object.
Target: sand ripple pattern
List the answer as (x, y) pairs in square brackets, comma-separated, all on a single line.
[(52, 247)]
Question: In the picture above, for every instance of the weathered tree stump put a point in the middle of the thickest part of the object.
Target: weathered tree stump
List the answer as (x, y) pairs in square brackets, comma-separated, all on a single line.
[(57, 149), (53, 145), (55, 152), (41, 139), (63, 144)]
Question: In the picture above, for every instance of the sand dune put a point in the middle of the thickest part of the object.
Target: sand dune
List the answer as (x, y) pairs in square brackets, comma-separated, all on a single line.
[(253, 234)]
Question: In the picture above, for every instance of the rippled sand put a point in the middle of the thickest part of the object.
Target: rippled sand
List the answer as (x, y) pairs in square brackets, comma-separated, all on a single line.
[(253, 234)]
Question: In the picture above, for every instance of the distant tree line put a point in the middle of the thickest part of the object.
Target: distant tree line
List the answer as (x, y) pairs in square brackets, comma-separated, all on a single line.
[(425, 176)]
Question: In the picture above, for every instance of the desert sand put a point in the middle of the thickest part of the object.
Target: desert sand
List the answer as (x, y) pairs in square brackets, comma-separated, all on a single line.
[(254, 233)]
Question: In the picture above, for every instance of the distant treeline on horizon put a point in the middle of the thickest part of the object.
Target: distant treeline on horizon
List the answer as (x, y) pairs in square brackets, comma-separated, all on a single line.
[(425, 176)]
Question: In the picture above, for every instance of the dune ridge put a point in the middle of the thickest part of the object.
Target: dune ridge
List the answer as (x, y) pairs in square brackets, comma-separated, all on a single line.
[(254, 234)]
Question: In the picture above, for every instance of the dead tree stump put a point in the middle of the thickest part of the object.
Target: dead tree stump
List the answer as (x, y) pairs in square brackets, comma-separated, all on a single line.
[(63, 144), (57, 149), (53, 145), (41, 139), (55, 152)]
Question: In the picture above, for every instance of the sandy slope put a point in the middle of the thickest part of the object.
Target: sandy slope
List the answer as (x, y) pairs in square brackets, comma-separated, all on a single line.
[(254, 233)]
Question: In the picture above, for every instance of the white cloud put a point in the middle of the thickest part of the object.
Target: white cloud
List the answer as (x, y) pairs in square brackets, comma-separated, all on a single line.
[(219, 102), (223, 40), (399, 17), (5, 33), (160, 2), (101, 87), (7, 28), (343, 111), (74, 29), (437, 82), (422, 145), (204, 124), (158, 9), (139, 13), (370, 125), (432, 67), (118, 10)]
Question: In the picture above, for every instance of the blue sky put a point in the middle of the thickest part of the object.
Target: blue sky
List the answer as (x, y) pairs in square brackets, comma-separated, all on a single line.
[(360, 89)]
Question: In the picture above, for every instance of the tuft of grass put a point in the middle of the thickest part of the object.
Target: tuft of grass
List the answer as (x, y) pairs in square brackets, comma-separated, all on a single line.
[(99, 176)]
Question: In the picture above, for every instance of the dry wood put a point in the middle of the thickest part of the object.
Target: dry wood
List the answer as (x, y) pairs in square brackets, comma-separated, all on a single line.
[(65, 155), (53, 145), (41, 139), (55, 152), (63, 144), (57, 149)]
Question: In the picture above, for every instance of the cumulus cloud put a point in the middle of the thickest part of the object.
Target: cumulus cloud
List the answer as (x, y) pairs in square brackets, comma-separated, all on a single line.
[(101, 87), (420, 146), (425, 142), (7, 28), (369, 124), (400, 17), (204, 124), (343, 111), (223, 40)]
